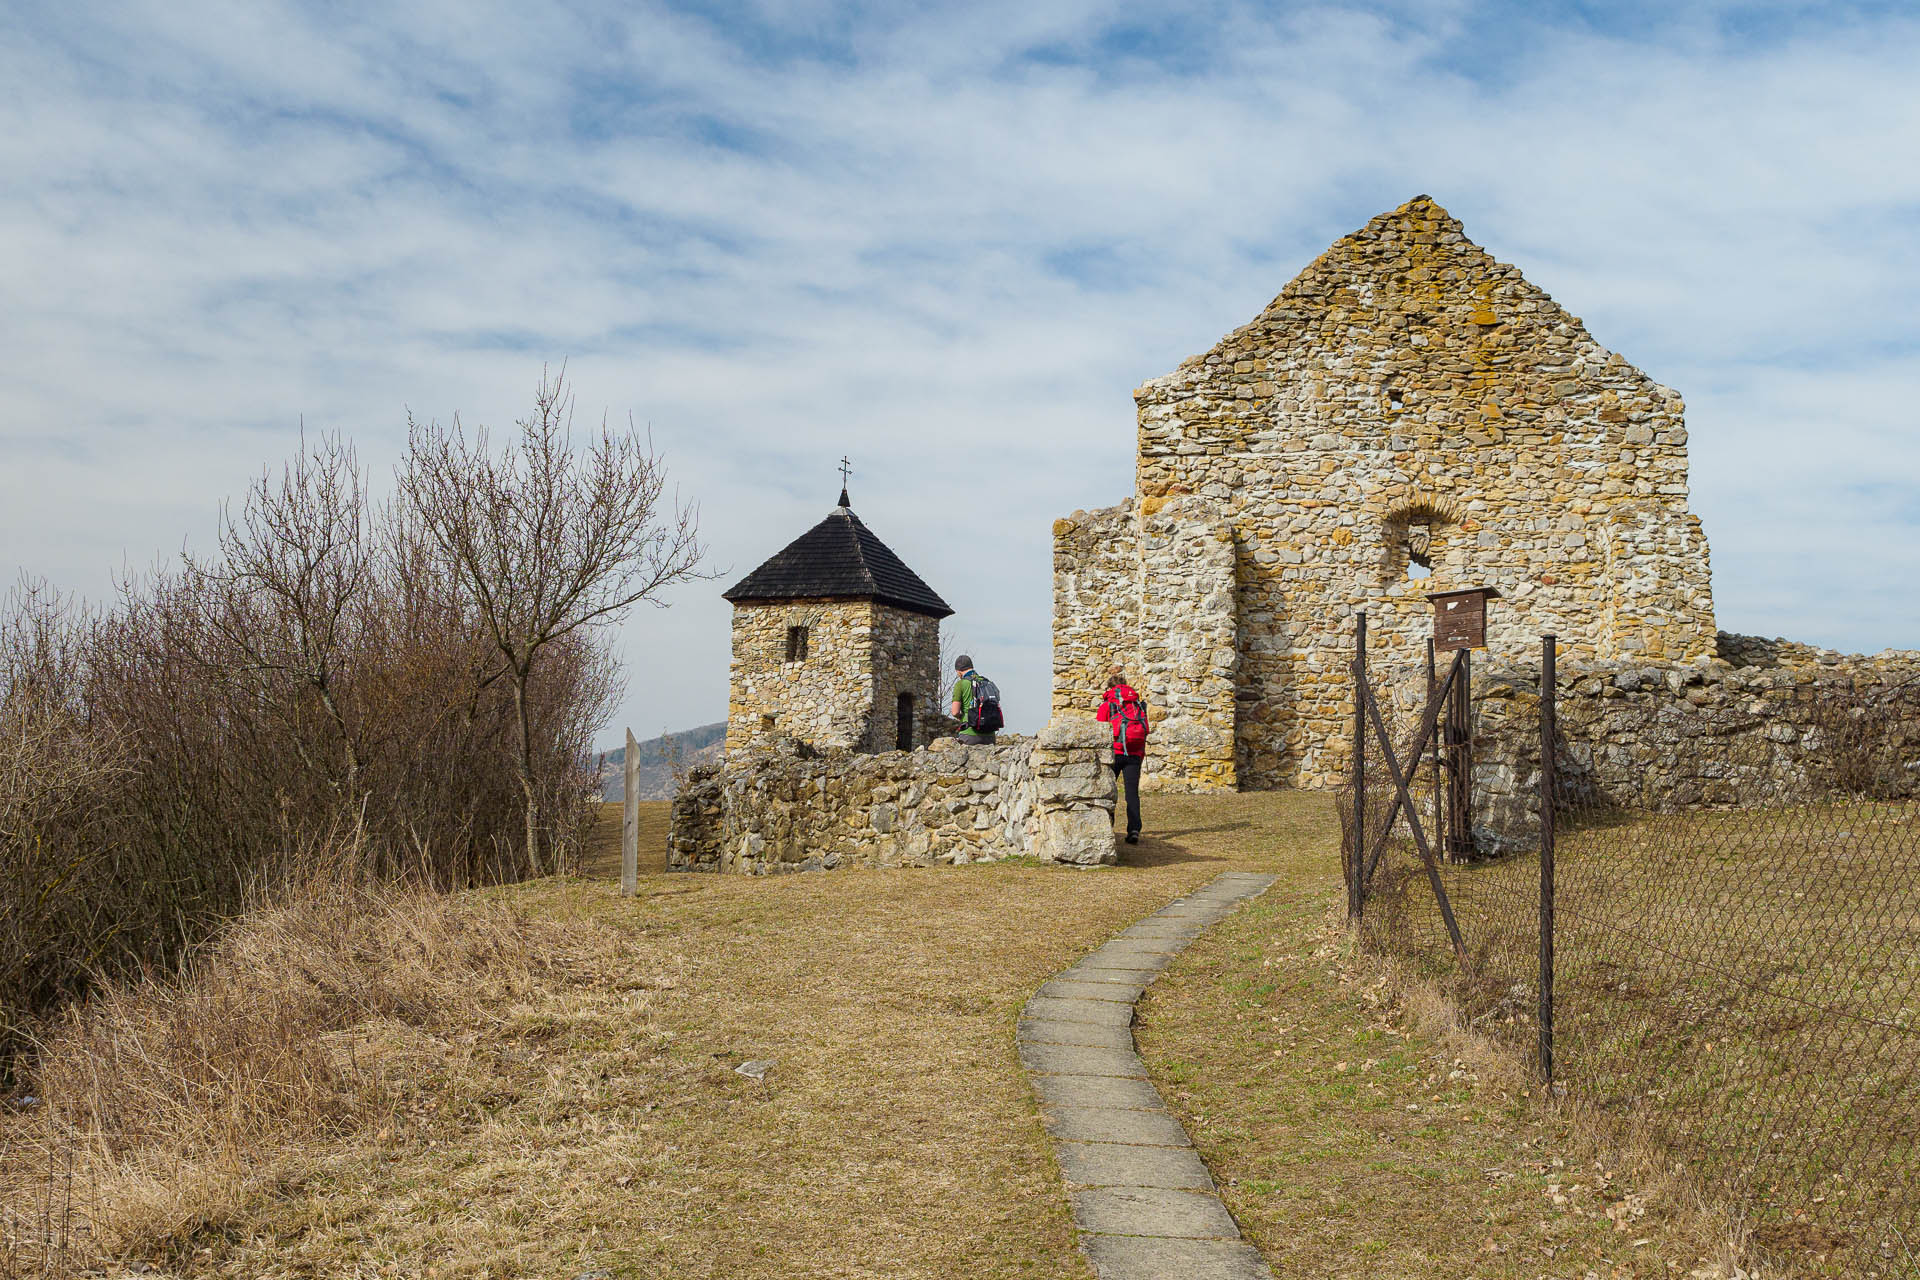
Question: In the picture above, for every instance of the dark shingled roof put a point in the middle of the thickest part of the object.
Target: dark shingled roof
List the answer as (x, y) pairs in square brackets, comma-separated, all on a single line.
[(838, 558)]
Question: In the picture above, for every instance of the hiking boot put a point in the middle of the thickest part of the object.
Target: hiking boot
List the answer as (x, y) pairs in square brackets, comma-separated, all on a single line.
[(1133, 837)]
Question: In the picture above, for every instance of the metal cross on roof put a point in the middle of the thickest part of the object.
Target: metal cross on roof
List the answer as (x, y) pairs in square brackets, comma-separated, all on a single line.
[(846, 469)]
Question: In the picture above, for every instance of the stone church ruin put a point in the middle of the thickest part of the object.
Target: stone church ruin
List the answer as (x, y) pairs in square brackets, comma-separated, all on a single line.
[(1408, 417)]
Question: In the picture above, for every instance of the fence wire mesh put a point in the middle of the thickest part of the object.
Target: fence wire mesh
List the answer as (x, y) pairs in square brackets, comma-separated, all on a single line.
[(1739, 986)]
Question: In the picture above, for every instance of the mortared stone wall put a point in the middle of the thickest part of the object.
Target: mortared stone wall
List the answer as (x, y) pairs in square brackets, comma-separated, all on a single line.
[(1406, 403)]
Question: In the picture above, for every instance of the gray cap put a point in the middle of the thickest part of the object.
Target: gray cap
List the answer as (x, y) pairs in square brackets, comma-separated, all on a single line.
[(963, 663)]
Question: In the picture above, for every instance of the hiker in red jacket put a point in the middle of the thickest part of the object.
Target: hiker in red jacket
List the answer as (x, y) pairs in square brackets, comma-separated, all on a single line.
[(1123, 709)]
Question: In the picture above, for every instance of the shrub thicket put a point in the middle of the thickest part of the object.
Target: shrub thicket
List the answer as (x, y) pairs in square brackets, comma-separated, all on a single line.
[(325, 694)]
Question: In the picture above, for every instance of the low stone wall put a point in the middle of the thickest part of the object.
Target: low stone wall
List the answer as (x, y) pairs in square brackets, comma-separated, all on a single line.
[(780, 807), (1786, 725)]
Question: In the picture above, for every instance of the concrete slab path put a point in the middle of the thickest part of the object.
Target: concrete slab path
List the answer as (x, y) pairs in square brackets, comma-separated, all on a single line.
[(1142, 1198)]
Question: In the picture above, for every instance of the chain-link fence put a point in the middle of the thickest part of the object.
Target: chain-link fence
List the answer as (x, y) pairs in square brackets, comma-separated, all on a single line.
[(1739, 985)]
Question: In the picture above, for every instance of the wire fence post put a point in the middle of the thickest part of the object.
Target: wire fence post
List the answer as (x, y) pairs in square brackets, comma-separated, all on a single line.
[(1548, 712), (1355, 885), (1433, 676)]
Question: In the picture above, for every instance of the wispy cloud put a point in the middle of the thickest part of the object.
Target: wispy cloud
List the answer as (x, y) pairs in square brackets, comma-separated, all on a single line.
[(946, 240)]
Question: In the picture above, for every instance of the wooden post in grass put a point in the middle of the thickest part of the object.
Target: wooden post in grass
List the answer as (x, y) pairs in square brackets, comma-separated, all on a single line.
[(630, 821)]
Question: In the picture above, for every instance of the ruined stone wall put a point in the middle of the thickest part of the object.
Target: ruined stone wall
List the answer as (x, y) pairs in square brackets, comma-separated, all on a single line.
[(1096, 603), (777, 806), (1150, 587), (1672, 735), (1408, 395)]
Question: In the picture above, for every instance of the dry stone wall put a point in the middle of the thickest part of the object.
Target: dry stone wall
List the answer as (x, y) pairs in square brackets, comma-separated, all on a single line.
[(843, 695), (1778, 724), (778, 806), (1407, 398)]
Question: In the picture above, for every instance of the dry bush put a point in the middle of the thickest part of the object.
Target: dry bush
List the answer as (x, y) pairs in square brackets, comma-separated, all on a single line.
[(325, 695), (1870, 737), (164, 1106)]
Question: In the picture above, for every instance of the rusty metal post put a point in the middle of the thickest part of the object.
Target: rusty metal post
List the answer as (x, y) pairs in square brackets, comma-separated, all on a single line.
[(1549, 697), (1433, 676), (1458, 841), (1466, 755), (1356, 886)]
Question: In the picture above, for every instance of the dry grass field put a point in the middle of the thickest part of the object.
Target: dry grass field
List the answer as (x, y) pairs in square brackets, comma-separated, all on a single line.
[(1739, 985), (574, 1108), (600, 851)]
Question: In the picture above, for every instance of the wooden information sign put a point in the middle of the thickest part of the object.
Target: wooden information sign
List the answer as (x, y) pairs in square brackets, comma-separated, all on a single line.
[(1460, 618)]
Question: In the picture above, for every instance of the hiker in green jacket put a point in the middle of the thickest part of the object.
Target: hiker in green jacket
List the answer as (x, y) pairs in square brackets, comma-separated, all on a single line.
[(976, 704)]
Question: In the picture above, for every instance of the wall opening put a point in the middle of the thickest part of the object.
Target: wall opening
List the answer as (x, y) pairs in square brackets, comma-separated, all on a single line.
[(766, 724), (1419, 548), (1414, 539), (903, 730), (796, 644)]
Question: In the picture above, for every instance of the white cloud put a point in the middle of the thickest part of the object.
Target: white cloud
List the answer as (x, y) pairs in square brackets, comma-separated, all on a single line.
[(940, 240)]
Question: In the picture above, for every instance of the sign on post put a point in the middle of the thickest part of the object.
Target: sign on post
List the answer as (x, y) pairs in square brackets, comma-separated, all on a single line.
[(1460, 618)]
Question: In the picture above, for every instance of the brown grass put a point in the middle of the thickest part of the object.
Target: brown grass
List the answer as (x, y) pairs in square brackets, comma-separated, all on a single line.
[(1356, 1132), (166, 1110), (600, 847), (478, 1107), (1736, 984)]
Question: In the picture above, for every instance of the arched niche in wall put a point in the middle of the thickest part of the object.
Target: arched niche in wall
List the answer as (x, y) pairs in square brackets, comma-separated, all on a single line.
[(1419, 537)]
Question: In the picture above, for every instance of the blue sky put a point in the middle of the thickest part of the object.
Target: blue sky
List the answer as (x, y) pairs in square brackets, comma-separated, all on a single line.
[(935, 239)]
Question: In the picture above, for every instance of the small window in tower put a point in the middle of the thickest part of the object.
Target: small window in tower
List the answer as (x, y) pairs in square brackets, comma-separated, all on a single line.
[(1395, 399), (796, 644), (1419, 550), (903, 734), (766, 724)]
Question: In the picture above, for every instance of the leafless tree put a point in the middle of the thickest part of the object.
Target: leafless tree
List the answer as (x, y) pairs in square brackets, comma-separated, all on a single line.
[(298, 564), (544, 540)]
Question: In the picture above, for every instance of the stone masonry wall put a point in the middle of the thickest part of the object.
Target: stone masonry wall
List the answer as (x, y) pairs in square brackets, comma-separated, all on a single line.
[(778, 806), (906, 660), (1150, 587), (826, 699), (1096, 603), (1408, 395), (843, 694), (1671, 735)]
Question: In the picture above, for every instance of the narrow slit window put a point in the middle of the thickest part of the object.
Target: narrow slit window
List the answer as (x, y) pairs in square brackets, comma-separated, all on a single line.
[(1419, 550), (796, 644), (903, 731)]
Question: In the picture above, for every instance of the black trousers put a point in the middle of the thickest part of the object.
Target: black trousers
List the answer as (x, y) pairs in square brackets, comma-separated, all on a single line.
[(1127, 770)]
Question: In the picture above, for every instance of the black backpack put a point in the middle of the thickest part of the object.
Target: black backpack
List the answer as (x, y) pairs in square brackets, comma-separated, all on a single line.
[(984, 715)]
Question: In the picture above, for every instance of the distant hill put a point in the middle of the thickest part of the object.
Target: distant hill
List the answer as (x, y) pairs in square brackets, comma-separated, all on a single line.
[(658, 758)]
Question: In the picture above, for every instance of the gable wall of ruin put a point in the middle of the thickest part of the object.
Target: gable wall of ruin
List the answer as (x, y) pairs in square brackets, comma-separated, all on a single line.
[(1407, 391)]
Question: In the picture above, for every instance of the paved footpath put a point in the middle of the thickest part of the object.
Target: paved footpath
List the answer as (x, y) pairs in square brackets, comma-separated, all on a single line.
[(1143, 1201)]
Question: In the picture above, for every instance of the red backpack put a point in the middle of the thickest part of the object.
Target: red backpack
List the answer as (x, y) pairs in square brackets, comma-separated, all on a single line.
[(1129, 720)]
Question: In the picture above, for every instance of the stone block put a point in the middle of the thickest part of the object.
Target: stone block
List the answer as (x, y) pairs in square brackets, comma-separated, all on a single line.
[(1113, 1124), (1126, 1257), (1153, 1211), (1080, 837), (1113, 1164)]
